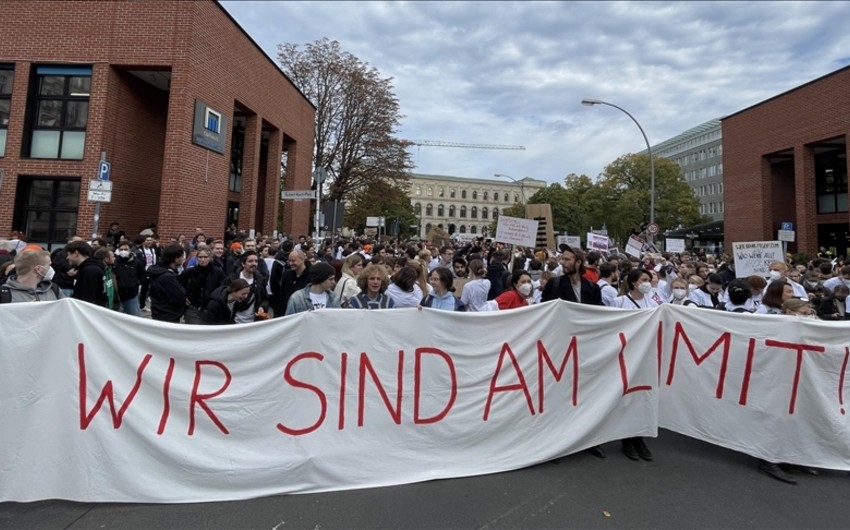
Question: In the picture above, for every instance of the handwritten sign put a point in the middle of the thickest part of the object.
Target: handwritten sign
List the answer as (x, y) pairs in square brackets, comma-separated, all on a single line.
[(572, 241), (754, 257), (516, 231), (675, 245)]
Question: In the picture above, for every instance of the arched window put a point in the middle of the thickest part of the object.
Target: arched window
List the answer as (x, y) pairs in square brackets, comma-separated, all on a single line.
[(462, 229), (506, 197), (418, 190), (496, 196), (429, 209), (516, 197), (463, 211), (495, 213), (473, 229), (473, 212), (428, 227), (484, 213), (486, 196), (430, 191), (441, 210), (417, 209), (462, 194), (474, 195), (451, 210), (453, 193)]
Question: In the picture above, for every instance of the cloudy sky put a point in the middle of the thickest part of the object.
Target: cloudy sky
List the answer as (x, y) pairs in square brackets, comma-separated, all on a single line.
[(514, 73)]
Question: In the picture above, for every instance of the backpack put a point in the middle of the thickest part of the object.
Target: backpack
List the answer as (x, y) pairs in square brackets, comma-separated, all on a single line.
[(6, 293)]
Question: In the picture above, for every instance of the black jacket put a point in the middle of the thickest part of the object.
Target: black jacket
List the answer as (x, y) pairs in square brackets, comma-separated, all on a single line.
[(560, 287), (498, 275), (88, 283), (168, 297), (200, 282), (215, 310), (283, 284), (61, 266), (130, 273)]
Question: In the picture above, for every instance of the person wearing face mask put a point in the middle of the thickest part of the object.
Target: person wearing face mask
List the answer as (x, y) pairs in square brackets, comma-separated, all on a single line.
[(520, 291), (679, 293), (708, 295), (31, 281), (129, 273), (779, 271), (636, 295)]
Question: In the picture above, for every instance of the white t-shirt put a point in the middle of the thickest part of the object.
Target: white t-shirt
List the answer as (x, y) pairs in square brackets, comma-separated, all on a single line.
[(319, 300), (246, 315)]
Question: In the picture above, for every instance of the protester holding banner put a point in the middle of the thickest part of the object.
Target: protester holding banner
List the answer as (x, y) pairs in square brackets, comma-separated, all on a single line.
[(31, 279), (346, 288), (474, 293), (319, 294), (220, 308), (708, 294), (168, 296), (520, 291), (776, 292), (373, 282), (442, 295), (679, 292), (403, 288)]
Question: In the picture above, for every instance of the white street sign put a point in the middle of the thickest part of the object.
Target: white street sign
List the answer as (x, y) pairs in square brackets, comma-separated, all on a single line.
[(100, 196), (786, 235), (297, 194), (100, 185)]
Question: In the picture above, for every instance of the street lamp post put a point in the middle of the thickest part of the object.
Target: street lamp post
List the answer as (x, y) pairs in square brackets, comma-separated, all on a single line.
[(592, 102), (517, 182)]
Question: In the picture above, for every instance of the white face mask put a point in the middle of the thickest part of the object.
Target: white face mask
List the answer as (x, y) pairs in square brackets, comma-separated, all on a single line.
[(678, 294), (124, 253), (48, 276), (775, 275), (644, 287), (525, 289)]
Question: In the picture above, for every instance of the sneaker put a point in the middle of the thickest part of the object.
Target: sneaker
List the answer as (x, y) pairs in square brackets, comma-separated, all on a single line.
[(776, 472), (642, 450)]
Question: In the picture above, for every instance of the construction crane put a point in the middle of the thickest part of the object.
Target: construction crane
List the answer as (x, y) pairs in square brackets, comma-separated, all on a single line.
[(437, 143)]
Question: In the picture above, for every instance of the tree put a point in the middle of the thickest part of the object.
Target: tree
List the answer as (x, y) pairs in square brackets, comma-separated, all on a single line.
[(357, 115), (382, 199), (624, 196)]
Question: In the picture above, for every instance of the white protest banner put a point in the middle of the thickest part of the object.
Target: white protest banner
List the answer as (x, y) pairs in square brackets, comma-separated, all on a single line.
[(516, 231), (597, 242), (171, 413), (754, 257), (634, 246), (674, 245)]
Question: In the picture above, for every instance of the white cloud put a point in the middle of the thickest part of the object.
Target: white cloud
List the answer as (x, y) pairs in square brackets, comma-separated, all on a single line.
[(515, 72)]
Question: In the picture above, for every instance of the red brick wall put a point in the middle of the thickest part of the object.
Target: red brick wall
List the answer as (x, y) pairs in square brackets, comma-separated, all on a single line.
[(755, 200), (158, 173)]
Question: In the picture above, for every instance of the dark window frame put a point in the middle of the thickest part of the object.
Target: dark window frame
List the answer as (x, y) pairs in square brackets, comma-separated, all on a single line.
[(67, 98)]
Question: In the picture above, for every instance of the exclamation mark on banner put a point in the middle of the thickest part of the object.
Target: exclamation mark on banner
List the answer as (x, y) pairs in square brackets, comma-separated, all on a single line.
[(841, 379)]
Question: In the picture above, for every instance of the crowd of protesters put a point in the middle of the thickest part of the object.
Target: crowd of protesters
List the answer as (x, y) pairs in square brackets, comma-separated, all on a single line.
[(239, 279)]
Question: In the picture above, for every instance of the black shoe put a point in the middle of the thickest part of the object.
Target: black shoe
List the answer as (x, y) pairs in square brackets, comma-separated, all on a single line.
[(597, 451), (629, 449), (642, 450), (794, 468), (776, 472)]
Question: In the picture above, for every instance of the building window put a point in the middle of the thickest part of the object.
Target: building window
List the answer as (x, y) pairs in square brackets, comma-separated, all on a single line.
[(495, 213), (462, 229), (516, 197), (451, 210), (237, 149), (462, 194), (417, 208), (473, 213), (428, 227), (496, 196), (474, 195), (453, 193), (418, 190), (485, 195), (506, 197), (212, 121), (429, 209), (7, 79), (831, 182), (441, 192), (463, 211), (430, 191), (60, 111), (47, 210), (484, 213), (441, 210), (473, 229)]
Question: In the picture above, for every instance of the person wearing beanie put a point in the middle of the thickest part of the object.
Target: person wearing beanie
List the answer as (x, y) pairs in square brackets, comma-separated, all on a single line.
[(319, 294)]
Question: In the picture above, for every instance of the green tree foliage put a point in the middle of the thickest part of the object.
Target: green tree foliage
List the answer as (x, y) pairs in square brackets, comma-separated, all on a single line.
[(357, 115), (624, 187), (385, 199)]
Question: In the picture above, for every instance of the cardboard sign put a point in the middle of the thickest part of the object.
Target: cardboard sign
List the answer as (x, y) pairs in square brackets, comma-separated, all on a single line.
[(516, 231), (754, 257)]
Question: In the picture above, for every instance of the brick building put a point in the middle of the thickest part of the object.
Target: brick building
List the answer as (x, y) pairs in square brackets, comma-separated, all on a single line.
[(193, 117), (785, 160)]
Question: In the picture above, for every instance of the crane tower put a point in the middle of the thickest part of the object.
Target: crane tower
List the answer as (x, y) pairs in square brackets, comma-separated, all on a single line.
[(439, 143)]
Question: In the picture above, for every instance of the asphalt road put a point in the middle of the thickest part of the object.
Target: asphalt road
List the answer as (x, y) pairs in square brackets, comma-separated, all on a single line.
[(690, 484)]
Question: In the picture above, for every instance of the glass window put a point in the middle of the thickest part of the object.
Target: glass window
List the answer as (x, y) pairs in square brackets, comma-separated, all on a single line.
[(451, 210), (60, 112), (473, 212), (7, 79), (462, 229), (463, 211), (48, 214), (484, 213), (831, 181), (462, 194), (430, 191), (429, 209), (417, 209), (473, 229), (418, 190), (496, 196), (485, 195), (441, 192), (474, 195), (237, 156), (441, 210), (453, 193), (506, 197)]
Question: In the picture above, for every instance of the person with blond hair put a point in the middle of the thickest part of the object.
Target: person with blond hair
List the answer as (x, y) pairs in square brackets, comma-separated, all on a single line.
[(31, 281)]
